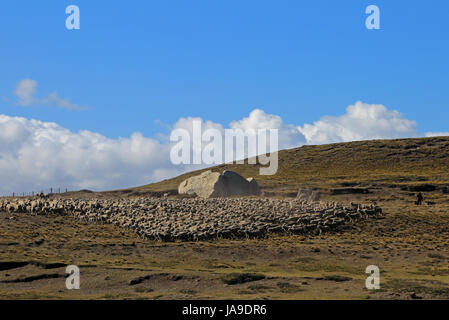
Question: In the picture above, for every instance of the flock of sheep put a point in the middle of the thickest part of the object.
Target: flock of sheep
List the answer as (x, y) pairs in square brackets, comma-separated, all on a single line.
[(192, 219)]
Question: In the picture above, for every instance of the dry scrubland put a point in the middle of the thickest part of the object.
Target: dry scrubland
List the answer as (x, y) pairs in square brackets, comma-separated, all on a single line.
[(386, 163), (410, 243)]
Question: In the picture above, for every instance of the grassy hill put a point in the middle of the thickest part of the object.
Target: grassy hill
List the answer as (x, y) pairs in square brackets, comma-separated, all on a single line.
[(391, 163), (410, 243)]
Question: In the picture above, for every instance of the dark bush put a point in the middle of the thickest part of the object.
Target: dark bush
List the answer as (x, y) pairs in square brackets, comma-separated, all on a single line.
[(350, 191), (236, 278), (422, 188)]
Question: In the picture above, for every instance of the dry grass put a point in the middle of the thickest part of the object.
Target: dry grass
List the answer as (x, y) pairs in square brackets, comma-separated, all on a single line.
[(400, 162), (410, 245)]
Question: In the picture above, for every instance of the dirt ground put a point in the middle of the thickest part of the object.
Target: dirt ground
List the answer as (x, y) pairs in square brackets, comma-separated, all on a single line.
[(410, 245)]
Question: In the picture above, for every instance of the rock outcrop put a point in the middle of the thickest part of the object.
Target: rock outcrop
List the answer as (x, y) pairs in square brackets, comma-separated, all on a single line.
[(205, 185), (254, 186), (213, 184)]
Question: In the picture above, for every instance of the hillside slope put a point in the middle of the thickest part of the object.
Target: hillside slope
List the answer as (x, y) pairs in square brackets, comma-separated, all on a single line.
[(399, 162)]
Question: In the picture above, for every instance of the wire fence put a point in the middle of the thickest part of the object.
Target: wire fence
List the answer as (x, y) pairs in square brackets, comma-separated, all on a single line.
[(48, 191)]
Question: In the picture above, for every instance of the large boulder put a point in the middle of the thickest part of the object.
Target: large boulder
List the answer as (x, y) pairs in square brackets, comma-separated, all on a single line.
[(203, 185), (253, 186), (213, 184)]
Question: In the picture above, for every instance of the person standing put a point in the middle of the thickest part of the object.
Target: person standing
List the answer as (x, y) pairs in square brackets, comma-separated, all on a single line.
[(419, 199)]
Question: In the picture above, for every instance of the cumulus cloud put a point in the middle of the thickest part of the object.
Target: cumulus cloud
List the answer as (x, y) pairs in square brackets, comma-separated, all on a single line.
[(289, 135), (226, 147), (36, 155), (25, 92), (360, 122), (187, 124)]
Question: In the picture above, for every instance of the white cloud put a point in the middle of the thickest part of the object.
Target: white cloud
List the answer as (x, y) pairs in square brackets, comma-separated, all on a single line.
[(26, 89), (289, 136), (187, 123), (360, 122), (437, 134), (53, 99), (36, 155)]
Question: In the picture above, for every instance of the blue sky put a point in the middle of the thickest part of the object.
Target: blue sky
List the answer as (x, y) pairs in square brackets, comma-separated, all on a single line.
[(137, 69), (141, 65)]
